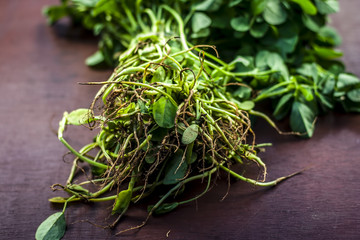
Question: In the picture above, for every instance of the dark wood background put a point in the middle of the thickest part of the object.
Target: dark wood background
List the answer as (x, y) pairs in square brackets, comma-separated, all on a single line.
[(39, 70)]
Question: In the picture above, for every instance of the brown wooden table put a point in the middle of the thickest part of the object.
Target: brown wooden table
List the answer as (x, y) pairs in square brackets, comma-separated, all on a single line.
[(39, 70)]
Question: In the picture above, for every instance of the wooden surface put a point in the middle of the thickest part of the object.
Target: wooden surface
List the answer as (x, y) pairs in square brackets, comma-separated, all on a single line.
[(39, 70)]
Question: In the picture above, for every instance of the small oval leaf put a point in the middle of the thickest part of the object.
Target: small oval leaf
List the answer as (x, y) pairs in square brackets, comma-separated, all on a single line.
[(302, 119), (283, 106), (327, 6), (122, 201), (327, 53), (164, 208), (96, 59), (346, 81), (53, 228), (159, 75), (164, 113), (200, 21), (174, 171), (247, 105), (354, 95), (274, 13), (78, 117), (307, 6), (190, 134), (241, 23)]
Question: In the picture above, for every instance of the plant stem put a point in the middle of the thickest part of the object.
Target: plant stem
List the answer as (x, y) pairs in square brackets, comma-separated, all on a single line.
[(81, 157), (254, 182)]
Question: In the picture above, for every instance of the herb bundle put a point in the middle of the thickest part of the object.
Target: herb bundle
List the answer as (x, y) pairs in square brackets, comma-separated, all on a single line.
[(165, 118), (172, 113)]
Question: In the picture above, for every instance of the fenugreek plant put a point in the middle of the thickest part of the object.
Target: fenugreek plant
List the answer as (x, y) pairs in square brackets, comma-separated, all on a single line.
[(164, 119)]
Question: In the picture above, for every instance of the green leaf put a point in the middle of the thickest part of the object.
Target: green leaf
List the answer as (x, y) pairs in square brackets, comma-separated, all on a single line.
[(329, 85), (336, 67), (105, 6), (164, 208), (158, 134), (274, 13), (122, 201), (246, 105), (314, 23), (200, 21), (261, 59), (164, 113), (329, 35), (243, 93), (53, 228), (327, 53), (346, 80), (208, 5), (150, 159), (190, 134), (143, 107), (354, 95), (174, 171), (78, 117), (233, 3), (327, 6), (54, 13), (96, 59), (241, 23), (283, 106), (307, 6), (276, 62), (159, 75), (302, 119), (306, 92), (181, 127), (325, 101), (258, 30), (308, 70), (97, 171), (288, 38), (98, 28), (193, 158), (287, 45), (258, 6), (241, 64), (273, 60)]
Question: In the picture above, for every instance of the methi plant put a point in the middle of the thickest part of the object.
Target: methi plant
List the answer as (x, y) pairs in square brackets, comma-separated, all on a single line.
[(165, 118)]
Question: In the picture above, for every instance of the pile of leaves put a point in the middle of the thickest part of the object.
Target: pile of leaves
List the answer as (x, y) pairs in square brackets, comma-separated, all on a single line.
[(164, 118)]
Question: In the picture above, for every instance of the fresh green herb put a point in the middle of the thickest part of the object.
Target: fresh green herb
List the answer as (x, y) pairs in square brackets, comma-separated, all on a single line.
[(166, 119)]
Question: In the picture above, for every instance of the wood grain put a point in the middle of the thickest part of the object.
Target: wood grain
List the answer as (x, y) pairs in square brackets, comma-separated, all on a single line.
[(40, 67)]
